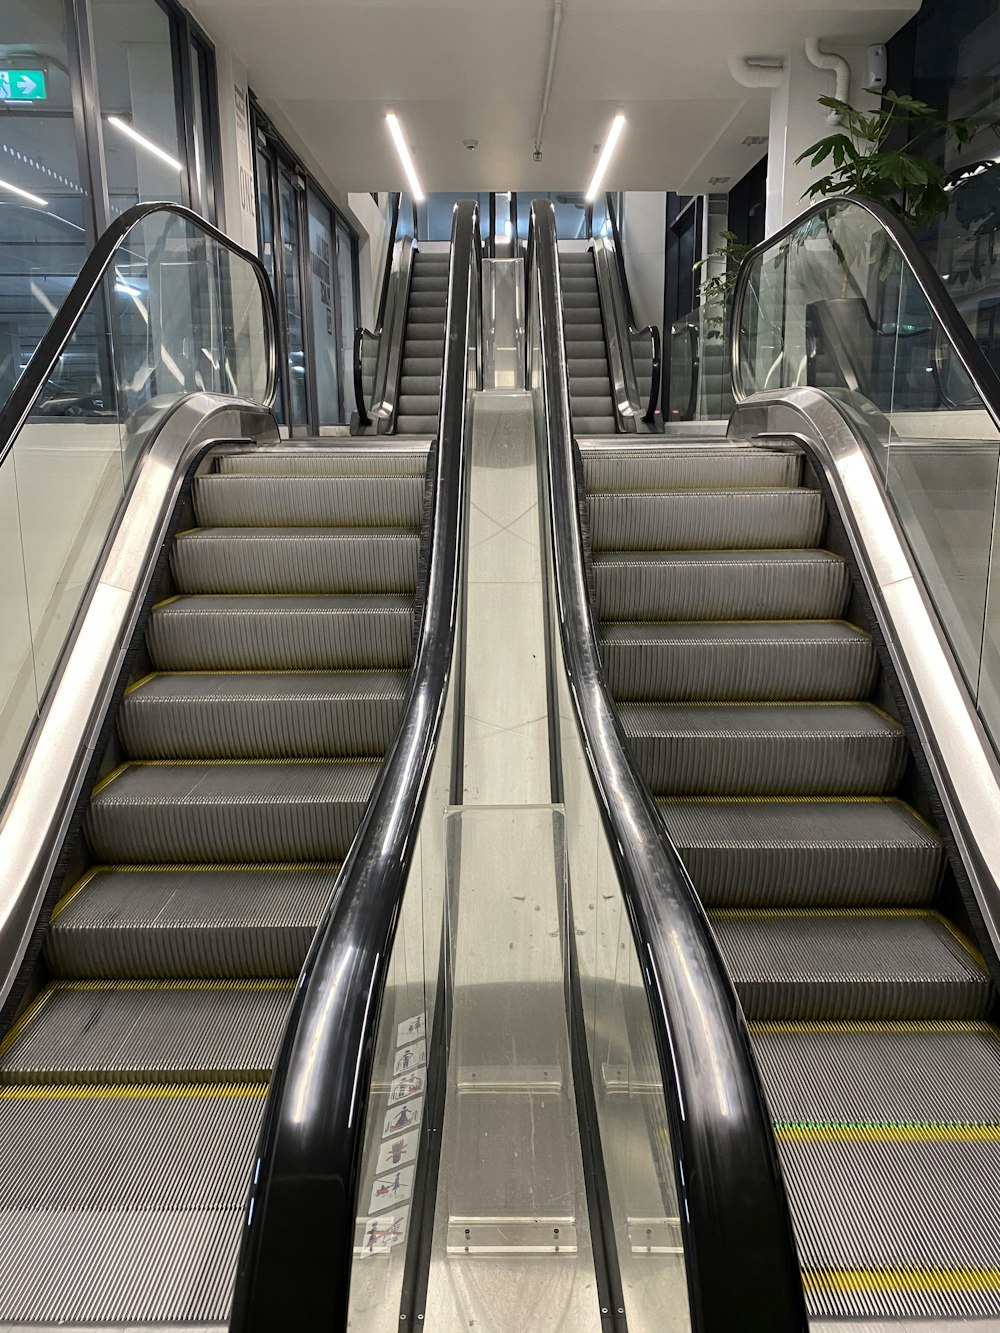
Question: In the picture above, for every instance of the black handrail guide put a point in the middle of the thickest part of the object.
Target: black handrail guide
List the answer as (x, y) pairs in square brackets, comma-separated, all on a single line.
[(35, 376), (739, 1251), (633, 331), (297, 1246), (963, 341)]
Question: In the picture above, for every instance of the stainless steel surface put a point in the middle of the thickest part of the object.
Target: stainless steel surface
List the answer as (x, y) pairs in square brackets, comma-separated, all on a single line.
[(955, 745), (624, 392), (503, 324), (47, 783)]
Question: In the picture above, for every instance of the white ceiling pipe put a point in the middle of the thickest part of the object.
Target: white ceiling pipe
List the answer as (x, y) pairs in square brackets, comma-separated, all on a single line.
[(840, 67), (757, 71), (553, 43)]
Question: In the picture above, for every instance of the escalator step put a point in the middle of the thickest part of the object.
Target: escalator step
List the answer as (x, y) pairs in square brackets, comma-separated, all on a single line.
[(898, 1227), (189, 921), (281, 633), (237, 501), (423, 318), (222, 812), (706, 520), (765, 749), (295, 560), (584, 366), (789, 853), (737, 660), (248, 715), (587, 405), (118, 1182), (608, 470), (419, 405), (883, 966), (598, 425), (880, 1073), (412, 424), (589, 386), (424, 282), (424, 349), (720, 585), (148, 1032), (427, 294), (423, 366), (411, 385), (581, 297), (333, 461)]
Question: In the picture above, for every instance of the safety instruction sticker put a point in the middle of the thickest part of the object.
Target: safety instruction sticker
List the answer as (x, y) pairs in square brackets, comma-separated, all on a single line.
[(382, 1233), (395, 1188), (410, 1057), (398, 1118), (407, 1085), (398, 1150), (411, 1029)]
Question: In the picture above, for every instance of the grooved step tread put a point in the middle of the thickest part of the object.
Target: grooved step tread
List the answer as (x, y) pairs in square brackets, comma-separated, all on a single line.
[(808, 853), (700, 519), (295, 560), (680, 468), (720, 585), (218, 811), (254, 715), (334, 460), (309, 632), (879, 965), (745, 660), (128, 1032), (765, 749), (184, 920), (250, 501)]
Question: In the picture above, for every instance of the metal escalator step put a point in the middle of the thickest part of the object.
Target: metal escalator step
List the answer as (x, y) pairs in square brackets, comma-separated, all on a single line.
[(250, 715), (238, 501), (765, 749), (584, 366), (788, 584), (295, 560), (790, 853), (101, 1189), (148, 1032), (411, 385), (588, 405), (324, 461), (594, 425), (221, 812), (412, 424), (281, 633), (424, 281), (737, 660), (189, 921), (898, 1229), (424, 317), (705, 520), (862, 964), (589, 386), (419, 405), (880, 1073), (678, 469), (424, 349), (427, 295), (581, 298), (414, 366)]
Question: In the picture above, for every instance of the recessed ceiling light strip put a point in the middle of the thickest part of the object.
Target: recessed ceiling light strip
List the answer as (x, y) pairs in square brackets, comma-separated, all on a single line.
[(614, 134), (396, 131)]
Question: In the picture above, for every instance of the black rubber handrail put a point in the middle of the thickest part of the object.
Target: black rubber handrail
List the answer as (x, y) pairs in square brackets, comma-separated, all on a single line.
[(361, 333), (961, 338), (739, 1253), (45, 357), (297, 1251), (649, 330), (690, 328)]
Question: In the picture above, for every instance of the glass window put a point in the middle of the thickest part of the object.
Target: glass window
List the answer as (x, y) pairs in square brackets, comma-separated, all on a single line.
[(288, 206), (139, 101), (203, 182), (321, 277), (42, 238)]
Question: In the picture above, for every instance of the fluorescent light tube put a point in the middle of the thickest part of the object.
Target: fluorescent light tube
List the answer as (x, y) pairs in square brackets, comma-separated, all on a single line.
[(31, 198), (614, 134), (404, 156), (143, 142)]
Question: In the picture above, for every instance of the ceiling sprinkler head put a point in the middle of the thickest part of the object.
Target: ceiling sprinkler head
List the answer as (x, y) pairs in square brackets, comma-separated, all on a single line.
[(537, 155), (471, 144)]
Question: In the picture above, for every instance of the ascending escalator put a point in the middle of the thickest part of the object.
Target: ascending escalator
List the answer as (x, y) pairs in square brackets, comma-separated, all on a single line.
[(586, 354), (423, 345), (270, 683)]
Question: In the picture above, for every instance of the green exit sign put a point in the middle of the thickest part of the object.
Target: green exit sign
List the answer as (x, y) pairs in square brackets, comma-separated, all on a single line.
[(22, 85)]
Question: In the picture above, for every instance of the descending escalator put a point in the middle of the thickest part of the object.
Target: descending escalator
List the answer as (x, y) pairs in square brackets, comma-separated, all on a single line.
[(586, 353), (269, 685), (423, 345), (744, 662)]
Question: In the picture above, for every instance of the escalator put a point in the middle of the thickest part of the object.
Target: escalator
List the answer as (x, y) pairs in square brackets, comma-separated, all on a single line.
[(771, 713), (423, 345), (276, 625), (586, 353)]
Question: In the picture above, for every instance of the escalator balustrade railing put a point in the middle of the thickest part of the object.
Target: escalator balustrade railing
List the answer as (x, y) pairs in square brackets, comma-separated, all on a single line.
[(376, 351)]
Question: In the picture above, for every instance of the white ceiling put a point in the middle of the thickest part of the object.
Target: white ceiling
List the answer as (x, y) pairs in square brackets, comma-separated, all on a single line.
[(474, 69)]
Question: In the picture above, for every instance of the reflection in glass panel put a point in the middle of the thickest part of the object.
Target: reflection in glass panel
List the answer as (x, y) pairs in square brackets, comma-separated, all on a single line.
[(203, 200), (347, 311), (135, 74), (42, 240), (294, 332), (323, 325), (265, 221)]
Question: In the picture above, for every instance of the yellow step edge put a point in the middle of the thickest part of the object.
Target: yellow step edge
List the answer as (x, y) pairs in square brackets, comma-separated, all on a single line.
[(917, 1027), (235, 763), (174, 983), (50, 1092), (900, 1279)]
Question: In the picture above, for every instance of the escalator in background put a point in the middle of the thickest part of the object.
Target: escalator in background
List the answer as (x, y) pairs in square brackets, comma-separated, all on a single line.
[(766, 636), (398, 367), (614, 368), (212, 740)]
